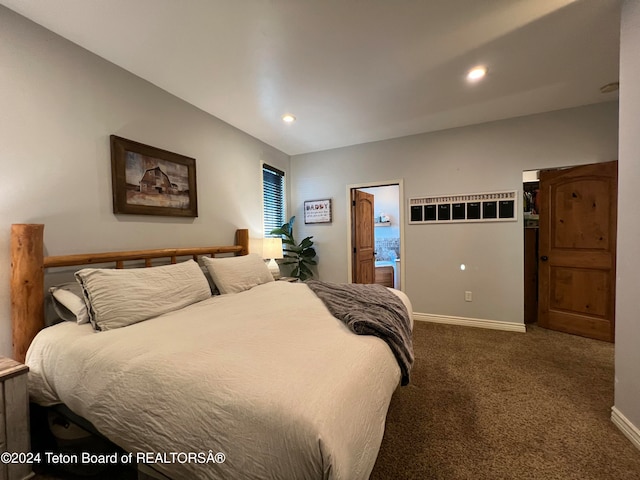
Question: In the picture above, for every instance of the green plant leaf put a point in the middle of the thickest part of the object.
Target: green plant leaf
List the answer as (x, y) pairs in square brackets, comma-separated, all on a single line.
[(308, 253), (306, 243), (305, 269)]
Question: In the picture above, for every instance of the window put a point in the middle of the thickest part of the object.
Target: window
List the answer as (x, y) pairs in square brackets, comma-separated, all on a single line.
[(273, 197)]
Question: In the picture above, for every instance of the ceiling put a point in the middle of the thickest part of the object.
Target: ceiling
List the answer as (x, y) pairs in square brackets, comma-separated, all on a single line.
[(351, 71)]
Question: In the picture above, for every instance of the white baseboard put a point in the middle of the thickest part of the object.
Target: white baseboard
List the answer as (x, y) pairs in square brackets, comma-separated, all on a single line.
[(629, 429), (470, 322)]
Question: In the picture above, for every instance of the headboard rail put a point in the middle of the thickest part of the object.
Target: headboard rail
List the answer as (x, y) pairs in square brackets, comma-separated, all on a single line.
[(28, 264), (120, 257)]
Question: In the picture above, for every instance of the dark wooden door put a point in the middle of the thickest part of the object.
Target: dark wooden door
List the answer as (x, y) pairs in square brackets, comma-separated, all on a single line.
[(577, 250), (363, 237)]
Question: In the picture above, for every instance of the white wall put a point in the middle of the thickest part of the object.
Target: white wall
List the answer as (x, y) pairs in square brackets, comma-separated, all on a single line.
[(479, 158), (627, 391), (58, 106)]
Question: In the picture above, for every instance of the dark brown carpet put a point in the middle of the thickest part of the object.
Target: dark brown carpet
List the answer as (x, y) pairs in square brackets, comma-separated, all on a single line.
[(486, 404)]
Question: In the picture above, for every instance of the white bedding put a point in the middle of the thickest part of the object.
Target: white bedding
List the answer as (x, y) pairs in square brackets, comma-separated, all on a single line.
[(266, 376)]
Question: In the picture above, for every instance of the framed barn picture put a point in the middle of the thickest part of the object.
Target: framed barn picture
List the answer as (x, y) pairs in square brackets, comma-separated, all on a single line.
[(150, 181)]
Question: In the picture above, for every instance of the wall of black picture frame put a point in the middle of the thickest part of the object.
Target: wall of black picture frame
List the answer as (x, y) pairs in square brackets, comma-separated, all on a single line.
[(464, 208)]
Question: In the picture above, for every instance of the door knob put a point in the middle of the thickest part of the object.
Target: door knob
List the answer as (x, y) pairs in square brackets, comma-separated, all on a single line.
[(544, 258)]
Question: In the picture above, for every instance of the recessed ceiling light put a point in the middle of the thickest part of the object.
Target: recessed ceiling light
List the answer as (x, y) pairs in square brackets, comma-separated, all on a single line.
[(476, 73), (288, 118)]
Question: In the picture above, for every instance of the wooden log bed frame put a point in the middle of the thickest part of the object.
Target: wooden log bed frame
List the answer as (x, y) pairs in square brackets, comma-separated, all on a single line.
[(28, 264)]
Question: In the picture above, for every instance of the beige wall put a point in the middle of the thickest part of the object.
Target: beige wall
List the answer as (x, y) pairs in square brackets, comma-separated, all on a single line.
[(58, 106), (627, 397), (481, 158)]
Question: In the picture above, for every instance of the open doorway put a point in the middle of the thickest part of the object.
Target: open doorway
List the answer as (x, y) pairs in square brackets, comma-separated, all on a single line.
[(531, 206), (383, 229)]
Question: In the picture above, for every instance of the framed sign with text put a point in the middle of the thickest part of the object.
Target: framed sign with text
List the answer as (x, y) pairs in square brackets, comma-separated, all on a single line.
[(317, 211)]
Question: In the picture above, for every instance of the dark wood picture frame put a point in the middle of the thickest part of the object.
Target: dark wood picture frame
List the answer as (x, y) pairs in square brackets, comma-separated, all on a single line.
[(151, 181)]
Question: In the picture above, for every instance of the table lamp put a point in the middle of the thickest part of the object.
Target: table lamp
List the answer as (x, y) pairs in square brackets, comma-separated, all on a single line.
[(272, 249)]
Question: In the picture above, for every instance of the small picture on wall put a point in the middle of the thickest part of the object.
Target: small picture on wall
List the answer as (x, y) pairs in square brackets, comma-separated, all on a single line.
[(458, 211), (430, 212), (317, 211), (506, 209), (151, 181), (489, 209), (416, 213), (473, 210), (444, 211)]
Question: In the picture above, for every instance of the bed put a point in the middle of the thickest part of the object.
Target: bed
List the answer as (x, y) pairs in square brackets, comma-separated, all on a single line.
[(258, 383)]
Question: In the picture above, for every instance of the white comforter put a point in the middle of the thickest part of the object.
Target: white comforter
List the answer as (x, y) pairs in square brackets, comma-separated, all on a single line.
[(266, 376)]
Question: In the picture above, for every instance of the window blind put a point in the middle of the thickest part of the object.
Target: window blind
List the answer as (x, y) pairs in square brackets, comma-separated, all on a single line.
[(273, 198)]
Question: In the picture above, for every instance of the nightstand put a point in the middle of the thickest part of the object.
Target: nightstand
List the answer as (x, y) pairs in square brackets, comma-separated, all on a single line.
[(288, 279), (14, 418)]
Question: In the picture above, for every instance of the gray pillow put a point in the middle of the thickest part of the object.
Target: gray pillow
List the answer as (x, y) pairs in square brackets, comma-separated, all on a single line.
[(236, 274), (117, 298)]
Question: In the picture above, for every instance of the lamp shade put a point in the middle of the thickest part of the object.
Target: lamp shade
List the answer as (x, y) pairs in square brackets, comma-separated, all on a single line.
[(272, 248)]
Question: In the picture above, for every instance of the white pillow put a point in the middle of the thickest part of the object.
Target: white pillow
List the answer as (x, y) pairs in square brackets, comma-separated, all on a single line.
[(236, 274), (68, 302), (117, 298)]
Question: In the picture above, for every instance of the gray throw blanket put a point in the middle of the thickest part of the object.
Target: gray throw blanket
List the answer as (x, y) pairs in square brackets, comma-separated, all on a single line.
[(371, 310)]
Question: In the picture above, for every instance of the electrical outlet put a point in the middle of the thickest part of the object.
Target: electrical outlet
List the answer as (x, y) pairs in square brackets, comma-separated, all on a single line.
[(468, 297)]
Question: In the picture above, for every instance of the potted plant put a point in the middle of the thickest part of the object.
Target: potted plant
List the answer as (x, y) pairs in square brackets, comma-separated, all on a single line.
[(300, 255)]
